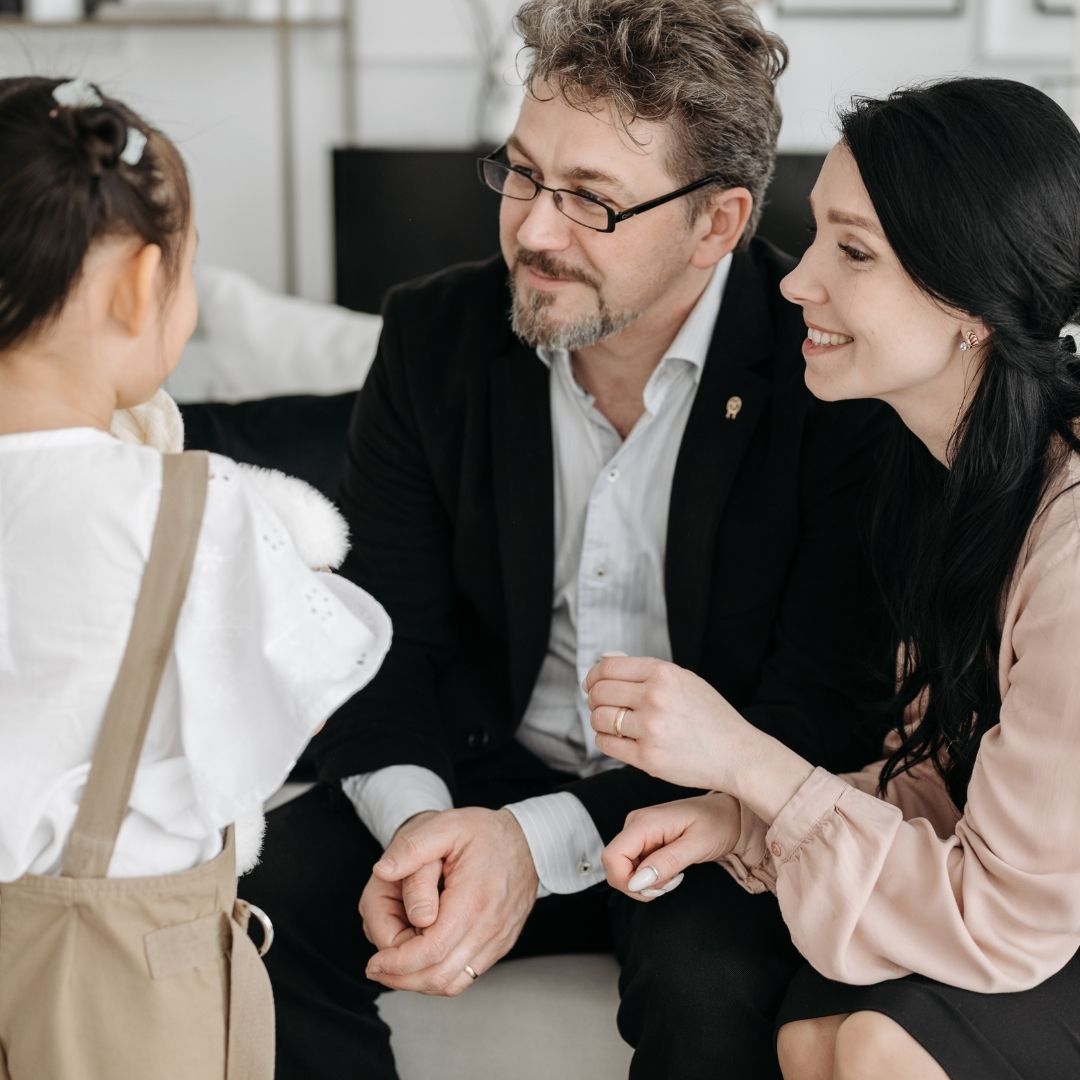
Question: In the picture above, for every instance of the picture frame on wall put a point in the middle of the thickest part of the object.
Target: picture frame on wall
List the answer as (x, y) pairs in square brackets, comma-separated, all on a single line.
[(1026, 30), (870, 8)]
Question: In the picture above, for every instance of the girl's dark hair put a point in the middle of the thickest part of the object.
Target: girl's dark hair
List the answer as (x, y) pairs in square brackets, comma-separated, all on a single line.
[(63, 186), (976, 183)]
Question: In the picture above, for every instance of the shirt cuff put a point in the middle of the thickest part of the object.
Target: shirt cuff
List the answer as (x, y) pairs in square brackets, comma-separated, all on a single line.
[(387, 798), (749, 862), (565, 844), (804, 814)]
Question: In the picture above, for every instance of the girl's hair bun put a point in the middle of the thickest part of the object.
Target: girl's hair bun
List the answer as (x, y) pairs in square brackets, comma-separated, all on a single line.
[(102, 134), (77, 166)]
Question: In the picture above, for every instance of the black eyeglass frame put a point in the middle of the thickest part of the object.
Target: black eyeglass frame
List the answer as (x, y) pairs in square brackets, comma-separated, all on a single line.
[(613, 216)]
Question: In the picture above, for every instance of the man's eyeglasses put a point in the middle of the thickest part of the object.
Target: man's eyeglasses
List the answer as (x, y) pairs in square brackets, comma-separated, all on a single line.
[(514, 182)]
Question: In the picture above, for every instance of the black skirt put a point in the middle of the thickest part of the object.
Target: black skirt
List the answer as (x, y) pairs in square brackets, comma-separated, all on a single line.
[(1029, 1035)]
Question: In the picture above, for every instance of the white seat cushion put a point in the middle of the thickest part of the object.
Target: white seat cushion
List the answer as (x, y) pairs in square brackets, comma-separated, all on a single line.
[(531, 1019), (253, 343)]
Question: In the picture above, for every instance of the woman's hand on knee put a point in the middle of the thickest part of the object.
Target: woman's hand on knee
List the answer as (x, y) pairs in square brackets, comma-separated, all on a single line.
[(658, 843)]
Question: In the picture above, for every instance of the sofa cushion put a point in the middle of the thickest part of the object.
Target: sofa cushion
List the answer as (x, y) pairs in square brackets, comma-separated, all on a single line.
[(299, 434), (253, 343), (530, 1019)]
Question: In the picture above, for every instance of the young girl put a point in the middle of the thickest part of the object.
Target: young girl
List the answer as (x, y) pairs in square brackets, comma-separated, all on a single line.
[(140, 968), (936, 894)]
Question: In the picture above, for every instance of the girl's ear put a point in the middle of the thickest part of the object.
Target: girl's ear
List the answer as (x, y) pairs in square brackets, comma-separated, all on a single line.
[(135, 290)]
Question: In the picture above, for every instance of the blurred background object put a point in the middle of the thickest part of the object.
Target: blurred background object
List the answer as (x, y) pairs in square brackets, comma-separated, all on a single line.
[(379, 194), (52, 11)]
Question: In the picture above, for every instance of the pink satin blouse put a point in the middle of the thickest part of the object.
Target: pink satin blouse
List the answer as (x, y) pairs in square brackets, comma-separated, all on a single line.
[(876, 888)]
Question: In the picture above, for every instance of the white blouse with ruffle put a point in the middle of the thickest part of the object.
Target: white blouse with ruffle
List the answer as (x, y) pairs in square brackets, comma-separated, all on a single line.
[(266, 649)]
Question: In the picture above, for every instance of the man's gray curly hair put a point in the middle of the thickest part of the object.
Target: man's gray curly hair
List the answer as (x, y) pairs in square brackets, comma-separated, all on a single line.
[(706, 67)]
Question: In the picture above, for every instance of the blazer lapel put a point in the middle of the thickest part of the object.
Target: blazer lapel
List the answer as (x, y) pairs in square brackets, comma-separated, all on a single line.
[(712, 447), (523, 479)]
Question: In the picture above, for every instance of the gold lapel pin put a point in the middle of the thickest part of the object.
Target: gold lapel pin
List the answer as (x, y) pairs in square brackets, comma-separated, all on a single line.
[(734, 404)]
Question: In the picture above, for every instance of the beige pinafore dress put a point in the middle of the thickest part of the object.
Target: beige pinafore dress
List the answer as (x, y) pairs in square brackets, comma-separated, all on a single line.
[(151, 978)]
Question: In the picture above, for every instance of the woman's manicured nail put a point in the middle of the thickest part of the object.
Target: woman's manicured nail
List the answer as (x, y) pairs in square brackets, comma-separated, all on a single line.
[(645, 877), (673, 884), (651, 893)]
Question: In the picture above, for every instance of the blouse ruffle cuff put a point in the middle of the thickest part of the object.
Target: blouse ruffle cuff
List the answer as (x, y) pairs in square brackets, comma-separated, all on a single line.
[(749, 862), (804, 815)]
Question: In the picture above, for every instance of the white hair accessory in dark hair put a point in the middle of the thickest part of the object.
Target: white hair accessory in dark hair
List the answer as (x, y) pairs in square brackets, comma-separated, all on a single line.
[(77, 94), (81, 94), (134, 147)]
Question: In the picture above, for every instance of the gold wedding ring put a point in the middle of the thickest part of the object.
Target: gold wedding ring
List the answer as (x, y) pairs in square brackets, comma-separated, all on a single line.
[(620, 716), (471, 972)]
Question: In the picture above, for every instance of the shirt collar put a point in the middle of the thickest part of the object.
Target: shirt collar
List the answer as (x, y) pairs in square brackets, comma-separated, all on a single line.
[(54, 438), (692, 341)]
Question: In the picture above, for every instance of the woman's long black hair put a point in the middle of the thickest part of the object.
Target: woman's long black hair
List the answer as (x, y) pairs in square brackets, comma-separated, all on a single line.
[(976, 183)]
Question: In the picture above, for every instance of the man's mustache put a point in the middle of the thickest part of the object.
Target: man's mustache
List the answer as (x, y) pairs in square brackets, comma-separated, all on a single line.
[(542, 262)]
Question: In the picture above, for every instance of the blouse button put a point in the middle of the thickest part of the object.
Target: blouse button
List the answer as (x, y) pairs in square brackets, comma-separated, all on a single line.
[(775, 848)]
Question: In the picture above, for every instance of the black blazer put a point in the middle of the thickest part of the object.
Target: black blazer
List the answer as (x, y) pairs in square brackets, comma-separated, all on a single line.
[(448, 490)]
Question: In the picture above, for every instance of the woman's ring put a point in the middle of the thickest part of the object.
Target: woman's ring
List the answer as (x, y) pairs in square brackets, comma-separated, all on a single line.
[(620, 716), (471, 972)]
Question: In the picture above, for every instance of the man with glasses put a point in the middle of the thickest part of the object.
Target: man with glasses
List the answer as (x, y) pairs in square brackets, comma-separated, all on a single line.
[(600, 441)]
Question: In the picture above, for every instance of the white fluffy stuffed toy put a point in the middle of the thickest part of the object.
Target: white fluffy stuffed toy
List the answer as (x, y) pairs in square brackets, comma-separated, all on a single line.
[(317, 529)]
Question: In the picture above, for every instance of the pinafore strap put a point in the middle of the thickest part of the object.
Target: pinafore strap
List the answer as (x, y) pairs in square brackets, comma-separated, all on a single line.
[(116, 757)]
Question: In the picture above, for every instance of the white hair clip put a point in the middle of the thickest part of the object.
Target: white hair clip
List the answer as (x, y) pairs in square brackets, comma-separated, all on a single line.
[(134, 147), (77, 94)]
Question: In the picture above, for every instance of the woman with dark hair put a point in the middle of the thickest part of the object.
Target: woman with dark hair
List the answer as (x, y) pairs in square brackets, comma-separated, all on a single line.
[(935, 894)]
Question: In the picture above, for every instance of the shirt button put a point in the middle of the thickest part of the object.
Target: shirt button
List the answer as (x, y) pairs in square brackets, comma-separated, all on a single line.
[(584, 866), (613, 475), (600, 571), (774, 847), (477, 739)]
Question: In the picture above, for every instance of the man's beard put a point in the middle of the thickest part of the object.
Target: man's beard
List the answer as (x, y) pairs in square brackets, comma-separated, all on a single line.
[(529, 314)]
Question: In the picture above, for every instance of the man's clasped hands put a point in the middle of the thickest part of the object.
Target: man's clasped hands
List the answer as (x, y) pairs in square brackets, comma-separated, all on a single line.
[(451, 893)]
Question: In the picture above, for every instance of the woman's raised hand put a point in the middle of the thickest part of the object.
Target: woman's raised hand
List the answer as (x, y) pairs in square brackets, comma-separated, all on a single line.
[(657, 844), (666, 721)]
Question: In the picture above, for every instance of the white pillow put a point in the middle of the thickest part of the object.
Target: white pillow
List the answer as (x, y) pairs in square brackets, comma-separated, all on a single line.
[(253, 343)]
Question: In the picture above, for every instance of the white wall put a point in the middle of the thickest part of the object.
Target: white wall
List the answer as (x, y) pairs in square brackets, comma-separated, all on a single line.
[(418, 81), (831, 59)]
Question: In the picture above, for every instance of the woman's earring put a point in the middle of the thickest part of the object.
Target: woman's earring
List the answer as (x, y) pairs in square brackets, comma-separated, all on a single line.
[(969, 342)]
